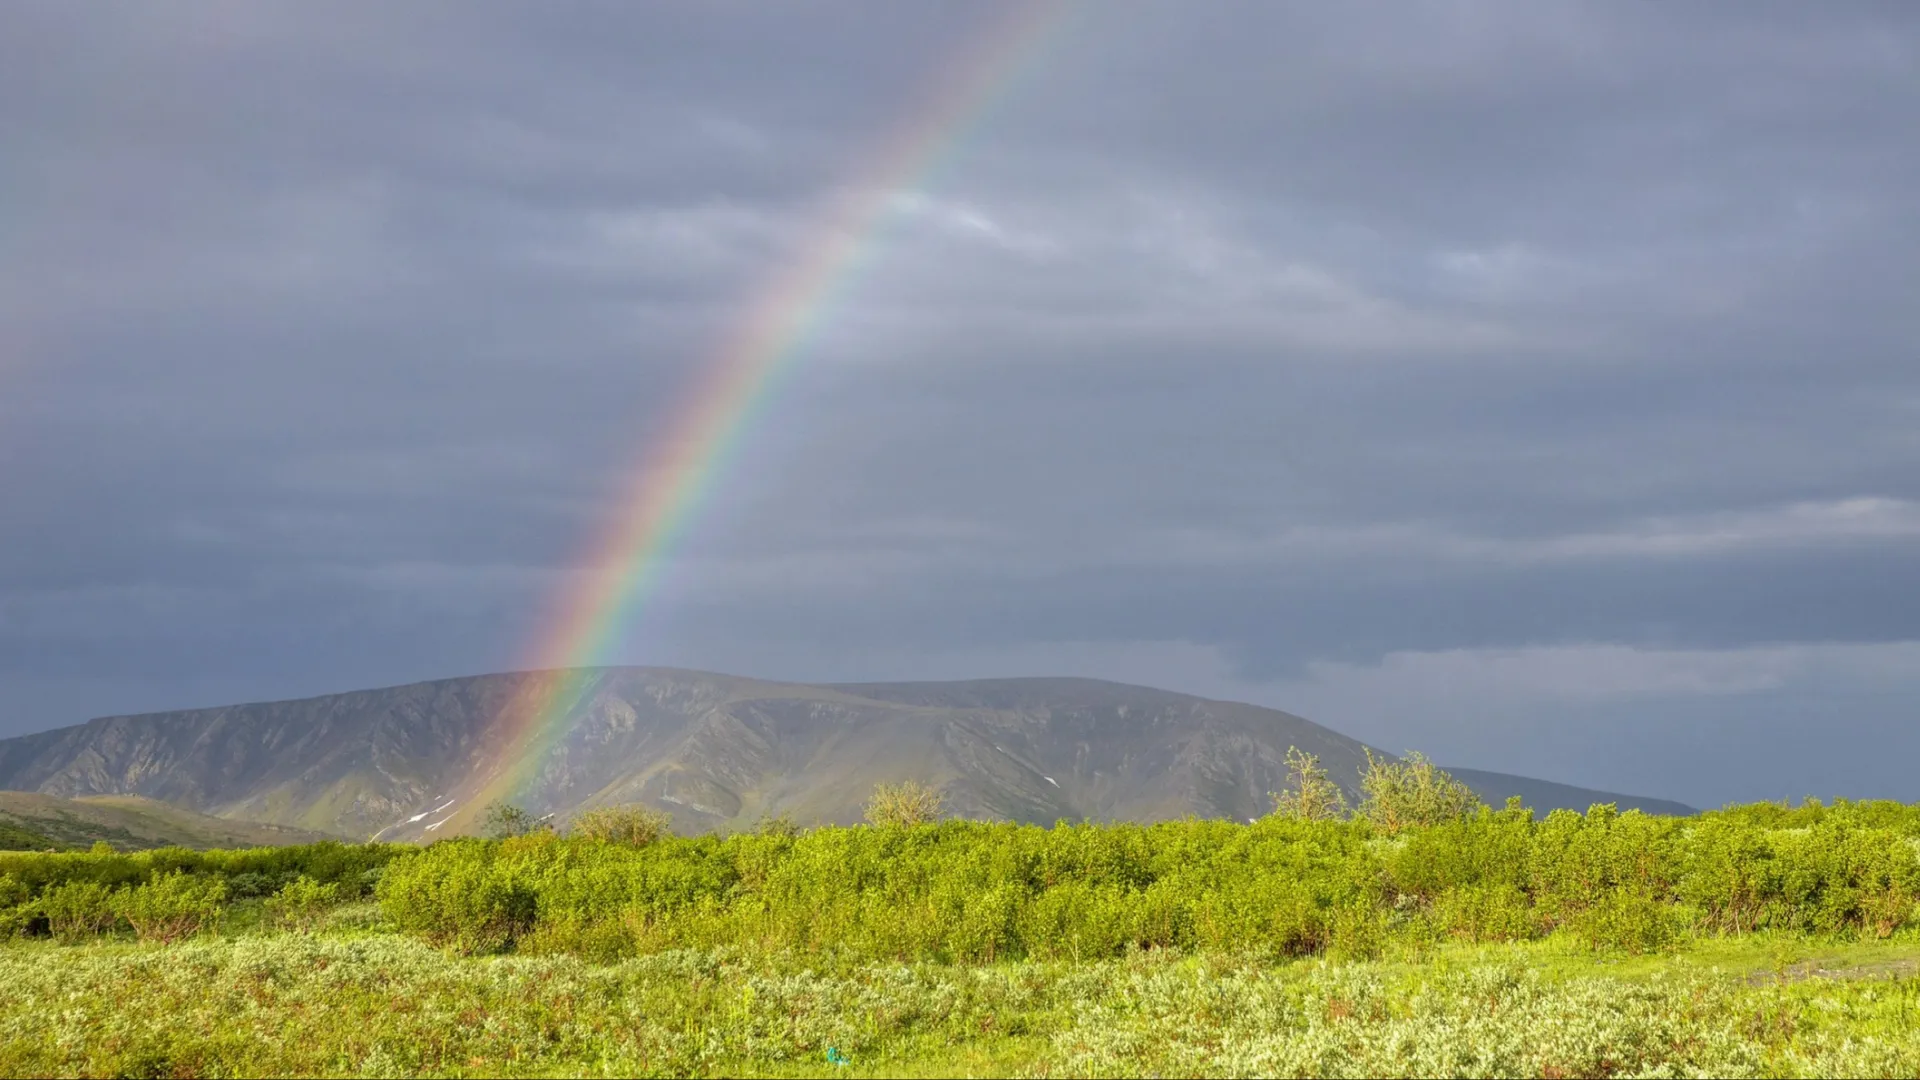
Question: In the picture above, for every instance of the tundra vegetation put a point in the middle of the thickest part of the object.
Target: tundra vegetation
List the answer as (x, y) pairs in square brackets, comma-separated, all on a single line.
[(1419, 934)]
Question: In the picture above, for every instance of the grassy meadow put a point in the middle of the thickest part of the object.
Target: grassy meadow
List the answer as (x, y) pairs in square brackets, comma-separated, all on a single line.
[(1421, 935)]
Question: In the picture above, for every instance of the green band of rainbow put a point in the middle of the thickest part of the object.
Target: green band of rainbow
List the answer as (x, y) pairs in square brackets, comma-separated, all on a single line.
[(691, 456)]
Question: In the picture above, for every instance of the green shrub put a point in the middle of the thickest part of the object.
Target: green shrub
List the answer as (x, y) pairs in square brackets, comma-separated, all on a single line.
[(1578, 863), (1728, 875), (16, 911), (303, 904), (1490, 848), (1309, 795), (1402, 795), (502, 820), (905, 804), (1484, 912), (250, 884), (459, 894), (171, 906), (632, 824), (13, 891), (1831, 879), (79, 909), (1628, 919)]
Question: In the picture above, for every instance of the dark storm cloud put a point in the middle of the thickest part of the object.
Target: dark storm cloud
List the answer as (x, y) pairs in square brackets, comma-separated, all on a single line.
[(1304, 336)]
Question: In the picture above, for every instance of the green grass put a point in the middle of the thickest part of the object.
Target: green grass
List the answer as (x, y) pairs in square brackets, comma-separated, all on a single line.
[(365, 1002), (1752, 957)]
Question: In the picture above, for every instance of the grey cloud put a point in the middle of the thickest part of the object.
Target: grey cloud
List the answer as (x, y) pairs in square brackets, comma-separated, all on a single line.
[(1296, 334)]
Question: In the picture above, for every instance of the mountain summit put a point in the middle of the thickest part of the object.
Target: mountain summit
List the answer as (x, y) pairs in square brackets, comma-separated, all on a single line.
[(717, 751)]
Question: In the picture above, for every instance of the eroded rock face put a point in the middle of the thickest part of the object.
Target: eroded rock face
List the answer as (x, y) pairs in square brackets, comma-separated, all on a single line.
[(716, 751)]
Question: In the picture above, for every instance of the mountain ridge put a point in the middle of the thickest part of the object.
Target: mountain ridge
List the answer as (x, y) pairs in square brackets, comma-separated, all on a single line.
[(718, 751)]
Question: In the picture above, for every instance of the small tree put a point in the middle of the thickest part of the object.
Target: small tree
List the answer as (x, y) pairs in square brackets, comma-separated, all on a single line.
[(630, 823), (905, 804), (1309, 795), (781, 824), (504, 819), (1400, 795)]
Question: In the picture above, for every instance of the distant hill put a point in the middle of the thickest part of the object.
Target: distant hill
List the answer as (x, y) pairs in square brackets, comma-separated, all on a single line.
[(33, 821), (1544, 795), (717, 751)]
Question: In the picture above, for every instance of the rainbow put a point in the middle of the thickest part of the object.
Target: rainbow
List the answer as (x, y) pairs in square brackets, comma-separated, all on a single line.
[(737, 383)]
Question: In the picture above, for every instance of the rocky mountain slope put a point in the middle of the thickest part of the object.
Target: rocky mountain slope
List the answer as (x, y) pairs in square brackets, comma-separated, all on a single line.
[(716, 751)]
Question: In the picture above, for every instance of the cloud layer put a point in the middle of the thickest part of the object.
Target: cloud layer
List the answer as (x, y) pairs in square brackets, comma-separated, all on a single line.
[(1534, 384)]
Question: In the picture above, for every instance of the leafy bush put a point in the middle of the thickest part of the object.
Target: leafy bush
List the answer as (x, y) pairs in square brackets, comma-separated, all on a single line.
[(171, 906), (1487, 911), (1830, 879), (632, 824), (1402, 795), (1618, 863), (302, 904), (79, 909), (250, 884), (503, 819), (905, 804), (460, 894), (16, 911), (1491, 848), (1309, 795), (1628, 919), (13, 891)]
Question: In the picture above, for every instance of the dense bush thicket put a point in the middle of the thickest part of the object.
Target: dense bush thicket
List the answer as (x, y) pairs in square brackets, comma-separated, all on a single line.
[(171, 893), (971, 891), (966, 891), (249, 871)]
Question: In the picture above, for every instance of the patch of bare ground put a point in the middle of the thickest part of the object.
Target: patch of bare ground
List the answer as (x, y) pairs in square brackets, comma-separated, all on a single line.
[(1904, 968)]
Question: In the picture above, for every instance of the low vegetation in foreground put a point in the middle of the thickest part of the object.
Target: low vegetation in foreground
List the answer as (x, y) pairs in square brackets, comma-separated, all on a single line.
[(1418, 933)]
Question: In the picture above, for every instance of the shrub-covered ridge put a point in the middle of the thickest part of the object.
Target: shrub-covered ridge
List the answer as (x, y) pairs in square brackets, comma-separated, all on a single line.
[(974, 892), (1277, 888)]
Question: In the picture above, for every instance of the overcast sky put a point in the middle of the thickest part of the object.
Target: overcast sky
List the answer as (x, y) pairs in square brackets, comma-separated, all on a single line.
[(1532, 384)]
